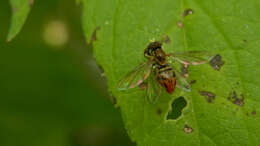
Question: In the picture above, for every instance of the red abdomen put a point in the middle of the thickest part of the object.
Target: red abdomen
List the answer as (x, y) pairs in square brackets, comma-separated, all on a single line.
[(169, 84), (166, 77)]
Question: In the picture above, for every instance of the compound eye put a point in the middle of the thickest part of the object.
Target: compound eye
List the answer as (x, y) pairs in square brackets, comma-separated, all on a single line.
[(150, 51)]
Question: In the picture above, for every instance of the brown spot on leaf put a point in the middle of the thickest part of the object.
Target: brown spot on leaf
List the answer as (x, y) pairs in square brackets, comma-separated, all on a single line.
[(159, 111), (253, 112), (209, 95), (240, 101), (187, 129), (187, 12), (233, 97), (94, 35), (216, 62), (180, 24)]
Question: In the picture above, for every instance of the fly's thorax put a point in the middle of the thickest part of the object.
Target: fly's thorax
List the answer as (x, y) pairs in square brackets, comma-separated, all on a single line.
[(160, 56)]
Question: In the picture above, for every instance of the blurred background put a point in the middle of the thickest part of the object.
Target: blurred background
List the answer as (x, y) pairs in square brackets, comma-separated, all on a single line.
[(51, 90)]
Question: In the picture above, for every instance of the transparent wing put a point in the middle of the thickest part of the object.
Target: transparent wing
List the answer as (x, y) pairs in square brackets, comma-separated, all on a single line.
[(153, 90), (136, 77), (191, 57), (182, 82)]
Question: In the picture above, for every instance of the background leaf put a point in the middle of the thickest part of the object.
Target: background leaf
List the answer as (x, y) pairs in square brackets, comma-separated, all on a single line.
[(20, 10), (53, 95), (229, 28)]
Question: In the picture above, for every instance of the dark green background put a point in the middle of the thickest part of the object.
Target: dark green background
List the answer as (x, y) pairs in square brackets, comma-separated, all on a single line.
[(50, 96)]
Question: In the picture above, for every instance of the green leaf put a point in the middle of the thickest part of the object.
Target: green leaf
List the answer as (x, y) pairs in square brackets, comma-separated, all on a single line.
[(20, 10), (230, 28)]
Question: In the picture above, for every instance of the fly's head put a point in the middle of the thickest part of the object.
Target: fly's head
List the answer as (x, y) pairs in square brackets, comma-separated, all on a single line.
[(154, 51), (151, 48)]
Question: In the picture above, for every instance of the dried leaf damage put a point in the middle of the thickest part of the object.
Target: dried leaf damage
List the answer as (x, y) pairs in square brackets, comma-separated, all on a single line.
[(187, 12), (235, 99), (180, 24), (187, 129), (208, 95), (217, 62)]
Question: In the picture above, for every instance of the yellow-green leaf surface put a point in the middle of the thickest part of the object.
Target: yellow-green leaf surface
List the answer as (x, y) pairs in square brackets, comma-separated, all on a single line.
[(230, 28), (20, 11)]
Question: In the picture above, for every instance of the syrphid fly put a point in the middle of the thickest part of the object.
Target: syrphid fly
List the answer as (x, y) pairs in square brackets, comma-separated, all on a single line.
[(158, 71)]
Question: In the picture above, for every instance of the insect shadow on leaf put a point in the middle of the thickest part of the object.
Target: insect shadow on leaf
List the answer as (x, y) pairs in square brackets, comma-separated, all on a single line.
[(177, 107)]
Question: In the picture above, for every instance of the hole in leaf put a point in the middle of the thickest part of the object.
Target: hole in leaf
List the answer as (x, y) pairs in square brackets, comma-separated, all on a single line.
[(177, 106)]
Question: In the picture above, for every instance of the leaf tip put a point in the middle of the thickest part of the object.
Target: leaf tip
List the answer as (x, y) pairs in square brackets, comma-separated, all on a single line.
[(9, 37)]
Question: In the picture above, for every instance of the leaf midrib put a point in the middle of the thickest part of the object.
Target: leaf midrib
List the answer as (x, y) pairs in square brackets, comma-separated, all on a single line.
[(185, 48)]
